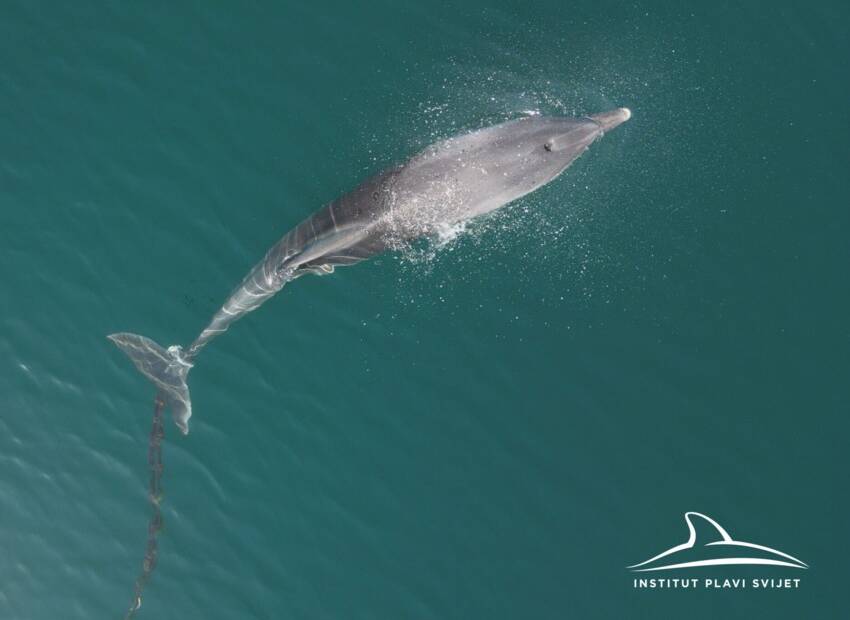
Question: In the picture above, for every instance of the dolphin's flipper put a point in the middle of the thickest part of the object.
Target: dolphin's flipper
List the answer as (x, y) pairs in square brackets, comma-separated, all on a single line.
[(318, 270)]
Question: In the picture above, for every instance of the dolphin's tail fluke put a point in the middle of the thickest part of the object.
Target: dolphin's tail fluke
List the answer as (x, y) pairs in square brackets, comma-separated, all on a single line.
[(167, 368)]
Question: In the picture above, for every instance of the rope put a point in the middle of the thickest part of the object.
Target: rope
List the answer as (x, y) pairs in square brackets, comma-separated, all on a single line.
[(154, 496)]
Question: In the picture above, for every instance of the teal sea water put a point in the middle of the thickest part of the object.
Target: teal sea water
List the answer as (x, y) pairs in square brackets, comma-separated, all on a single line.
[(490, 427)]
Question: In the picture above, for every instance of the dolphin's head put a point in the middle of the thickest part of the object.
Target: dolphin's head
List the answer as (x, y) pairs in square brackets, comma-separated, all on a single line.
[(536, 149), (501, 163), (475, 173)]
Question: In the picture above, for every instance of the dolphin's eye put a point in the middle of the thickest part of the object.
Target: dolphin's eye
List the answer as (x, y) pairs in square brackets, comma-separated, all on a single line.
[(548, 146)]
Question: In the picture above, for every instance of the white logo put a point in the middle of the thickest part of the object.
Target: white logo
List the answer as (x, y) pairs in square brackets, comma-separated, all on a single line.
[(725, 550)]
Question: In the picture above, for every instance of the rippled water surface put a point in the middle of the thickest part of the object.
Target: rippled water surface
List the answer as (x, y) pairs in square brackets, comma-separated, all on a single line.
[(493, 425)]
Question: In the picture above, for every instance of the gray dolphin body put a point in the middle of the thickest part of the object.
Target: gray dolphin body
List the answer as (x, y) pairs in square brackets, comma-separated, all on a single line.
[(449, 182)]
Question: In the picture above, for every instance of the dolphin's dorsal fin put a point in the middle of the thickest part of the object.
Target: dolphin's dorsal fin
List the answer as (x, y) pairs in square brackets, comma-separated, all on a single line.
[(704, 530)]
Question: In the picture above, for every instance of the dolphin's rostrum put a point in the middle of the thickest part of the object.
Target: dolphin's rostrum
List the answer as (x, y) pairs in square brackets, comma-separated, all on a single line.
[(449, 182)]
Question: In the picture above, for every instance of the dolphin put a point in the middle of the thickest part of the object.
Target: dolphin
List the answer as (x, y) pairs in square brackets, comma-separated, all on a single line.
[(449, 182)]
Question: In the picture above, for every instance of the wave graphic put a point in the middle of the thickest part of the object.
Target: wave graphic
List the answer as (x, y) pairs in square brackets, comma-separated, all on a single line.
[(742, 551)]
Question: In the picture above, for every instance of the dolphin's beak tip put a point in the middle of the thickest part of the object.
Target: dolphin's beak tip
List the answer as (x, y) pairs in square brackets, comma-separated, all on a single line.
[(608, 120)]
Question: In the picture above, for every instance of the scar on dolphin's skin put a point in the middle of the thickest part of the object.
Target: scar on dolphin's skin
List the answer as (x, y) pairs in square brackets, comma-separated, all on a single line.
[(445, 185)]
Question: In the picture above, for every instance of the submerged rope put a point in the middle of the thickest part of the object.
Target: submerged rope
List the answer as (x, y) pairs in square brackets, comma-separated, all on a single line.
[(154, 496)]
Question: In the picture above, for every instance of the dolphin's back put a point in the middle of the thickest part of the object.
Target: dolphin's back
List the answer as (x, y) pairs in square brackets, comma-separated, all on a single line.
[(342, 233)]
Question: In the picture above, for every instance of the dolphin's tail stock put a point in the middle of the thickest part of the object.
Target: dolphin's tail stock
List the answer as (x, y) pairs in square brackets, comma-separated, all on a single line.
[(167, 368)]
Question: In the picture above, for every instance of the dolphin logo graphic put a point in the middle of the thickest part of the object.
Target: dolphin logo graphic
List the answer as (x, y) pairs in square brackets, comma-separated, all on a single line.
[(729, 551)]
